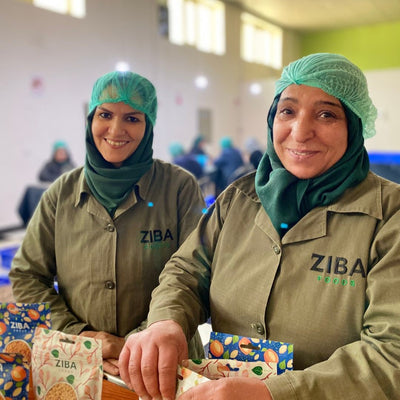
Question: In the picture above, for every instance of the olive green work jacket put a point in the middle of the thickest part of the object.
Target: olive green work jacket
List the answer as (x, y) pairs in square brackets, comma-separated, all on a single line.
[(106, 267), (330, 286)]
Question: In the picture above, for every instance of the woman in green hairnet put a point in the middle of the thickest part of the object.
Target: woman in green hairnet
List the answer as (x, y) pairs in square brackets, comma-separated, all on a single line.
[(305, 251), (105, 231)]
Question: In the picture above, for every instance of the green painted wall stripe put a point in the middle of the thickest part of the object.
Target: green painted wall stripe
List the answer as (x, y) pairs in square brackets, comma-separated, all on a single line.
[(371, 47)]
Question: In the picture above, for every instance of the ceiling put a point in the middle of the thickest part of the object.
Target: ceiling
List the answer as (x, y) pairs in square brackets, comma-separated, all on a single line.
[(312, 15)]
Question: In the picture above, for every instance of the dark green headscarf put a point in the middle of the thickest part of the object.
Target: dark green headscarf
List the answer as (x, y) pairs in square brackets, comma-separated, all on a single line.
[(286, 198), (111, 185)]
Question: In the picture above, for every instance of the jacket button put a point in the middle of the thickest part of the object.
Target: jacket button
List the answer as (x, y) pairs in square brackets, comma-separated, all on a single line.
[(276, 249), (109, 285), (110, 228), (259, 327)]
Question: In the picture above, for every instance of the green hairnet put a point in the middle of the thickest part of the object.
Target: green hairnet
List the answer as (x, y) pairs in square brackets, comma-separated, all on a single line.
[(337, 76), (59, 144), (128, 87), (176, 149), (225, 142)]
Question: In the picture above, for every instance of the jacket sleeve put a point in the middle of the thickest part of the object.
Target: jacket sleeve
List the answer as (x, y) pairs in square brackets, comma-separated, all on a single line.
[(183, 293), (33, 270), (191, 206), (368, 369)]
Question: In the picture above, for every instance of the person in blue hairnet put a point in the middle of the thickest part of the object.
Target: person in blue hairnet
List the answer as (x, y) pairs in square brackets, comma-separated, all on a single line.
[(229, 161), (306, 250), (104, 231), (185, 160), (60, 162)]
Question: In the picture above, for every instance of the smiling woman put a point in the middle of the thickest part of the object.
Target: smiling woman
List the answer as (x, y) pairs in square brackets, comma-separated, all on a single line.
[(106, 230), (310, 131), (117, 131), (305, 251)]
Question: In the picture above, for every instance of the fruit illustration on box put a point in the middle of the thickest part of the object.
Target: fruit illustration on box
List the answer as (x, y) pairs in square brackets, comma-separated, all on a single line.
[(228, 346)]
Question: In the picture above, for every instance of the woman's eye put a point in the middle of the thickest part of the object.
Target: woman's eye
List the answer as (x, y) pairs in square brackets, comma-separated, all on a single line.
[(327, 114), (105, 115), (285, 111), (132, 119)]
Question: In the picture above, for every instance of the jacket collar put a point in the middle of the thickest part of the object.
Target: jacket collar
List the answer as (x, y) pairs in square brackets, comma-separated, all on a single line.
[(141, 189)]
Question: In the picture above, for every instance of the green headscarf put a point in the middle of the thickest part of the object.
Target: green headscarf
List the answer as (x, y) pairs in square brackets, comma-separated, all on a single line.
[(286, 198), (108, 184)]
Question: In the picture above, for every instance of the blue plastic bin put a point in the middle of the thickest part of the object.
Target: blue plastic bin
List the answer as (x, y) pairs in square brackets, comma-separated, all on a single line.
[(7, 255)]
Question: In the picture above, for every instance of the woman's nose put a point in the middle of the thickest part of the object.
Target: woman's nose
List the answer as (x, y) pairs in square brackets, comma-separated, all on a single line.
[(116, 127), (303, 129)]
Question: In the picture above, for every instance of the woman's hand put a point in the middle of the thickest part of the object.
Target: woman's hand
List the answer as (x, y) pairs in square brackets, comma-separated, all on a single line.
[(149, 360), (111, 347), (228, 389)]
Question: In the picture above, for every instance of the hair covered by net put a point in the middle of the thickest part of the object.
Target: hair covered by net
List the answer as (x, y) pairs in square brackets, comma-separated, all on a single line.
[(127, 87), (337, 76)]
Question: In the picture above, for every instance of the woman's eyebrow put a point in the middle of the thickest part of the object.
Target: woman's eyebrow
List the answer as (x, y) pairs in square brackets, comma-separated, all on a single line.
[(329, 103), (134, 112), (318, 102), (282, 99)]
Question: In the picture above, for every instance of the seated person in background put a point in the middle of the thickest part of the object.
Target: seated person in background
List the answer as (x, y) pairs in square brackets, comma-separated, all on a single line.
[(226, 164), (198, 146), (106, 230), (254, 151), (186, 161), (60, 162), (306, 250)]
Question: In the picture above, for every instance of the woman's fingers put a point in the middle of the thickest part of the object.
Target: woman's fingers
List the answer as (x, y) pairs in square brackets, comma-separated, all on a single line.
[(149, 360)]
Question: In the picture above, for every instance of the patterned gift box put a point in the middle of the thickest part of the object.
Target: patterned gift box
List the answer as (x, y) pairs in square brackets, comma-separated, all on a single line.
[(222, 368), (18, 322), (242, 348), (14, 377), (187, 379)]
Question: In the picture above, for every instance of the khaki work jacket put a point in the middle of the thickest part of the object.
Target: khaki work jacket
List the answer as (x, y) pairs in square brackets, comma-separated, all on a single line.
[(106, 267), (330, 286)]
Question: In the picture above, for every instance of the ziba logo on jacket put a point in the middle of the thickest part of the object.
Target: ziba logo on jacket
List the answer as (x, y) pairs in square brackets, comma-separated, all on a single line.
[(340, 269), (156, 238)]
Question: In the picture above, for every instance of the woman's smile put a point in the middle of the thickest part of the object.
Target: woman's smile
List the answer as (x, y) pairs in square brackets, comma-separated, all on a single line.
[(117, 130)]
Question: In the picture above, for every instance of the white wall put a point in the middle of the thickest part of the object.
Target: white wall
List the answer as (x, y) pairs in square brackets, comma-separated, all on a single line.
[(67, 55), (384, 87)]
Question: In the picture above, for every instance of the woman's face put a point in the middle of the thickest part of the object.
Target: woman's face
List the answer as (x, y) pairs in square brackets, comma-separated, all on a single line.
[(309, 131), (117, 131)]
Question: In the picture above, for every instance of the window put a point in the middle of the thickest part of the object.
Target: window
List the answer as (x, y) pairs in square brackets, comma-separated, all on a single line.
[(75, 8), (261, 42), (198, 23)]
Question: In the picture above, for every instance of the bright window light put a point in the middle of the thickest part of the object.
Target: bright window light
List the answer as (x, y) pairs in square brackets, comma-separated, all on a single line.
[(75, 8), (201, 82), (190, 22), (78, 8), (261, 42), (59, 6), (255, 89), (122, 66), (199, 23)]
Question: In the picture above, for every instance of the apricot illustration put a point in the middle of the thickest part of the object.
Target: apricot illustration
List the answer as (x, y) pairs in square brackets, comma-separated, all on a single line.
[(216, 348), (33, 314), (18, 373), (7, 357), (245, 346), (185, 372), (12, 308), (270, 356), (3, 328)]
